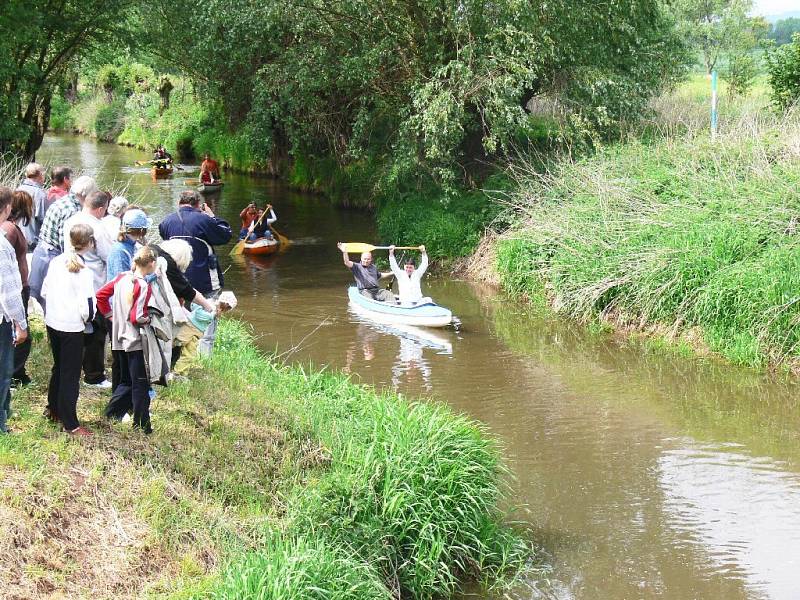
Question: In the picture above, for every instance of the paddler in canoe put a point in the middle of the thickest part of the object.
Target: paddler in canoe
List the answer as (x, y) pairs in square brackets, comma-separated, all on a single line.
[(367, 276), (161, 158), (409, 291), (210, 165), (254, 224)]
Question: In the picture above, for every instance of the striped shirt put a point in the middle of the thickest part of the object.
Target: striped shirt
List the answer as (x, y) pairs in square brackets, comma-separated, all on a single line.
[(52, 231), (11, 307)]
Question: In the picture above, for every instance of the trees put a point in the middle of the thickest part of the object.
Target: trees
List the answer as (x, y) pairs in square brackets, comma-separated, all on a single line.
[(430, 88), (40, 41), (782, 31), (716, 27)]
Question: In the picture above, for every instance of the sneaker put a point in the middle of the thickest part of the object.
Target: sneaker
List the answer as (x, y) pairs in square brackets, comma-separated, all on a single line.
[(80, 431), (152, 393), (103, 385), (126, 418)]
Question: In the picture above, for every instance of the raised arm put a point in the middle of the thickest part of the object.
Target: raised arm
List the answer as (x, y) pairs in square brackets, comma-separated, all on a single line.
[(345, 257), (272, 218), (423, 263), (396, 270)]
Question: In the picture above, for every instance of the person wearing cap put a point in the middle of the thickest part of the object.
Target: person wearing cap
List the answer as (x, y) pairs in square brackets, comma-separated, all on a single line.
[(51, 235), (196, 223), (409, 277), (95, 259), (131, 235), (113, 220), (34, 185)]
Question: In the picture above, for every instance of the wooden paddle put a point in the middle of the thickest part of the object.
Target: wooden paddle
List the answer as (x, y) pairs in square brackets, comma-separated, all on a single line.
[(358, 247), (239, 247), (281, 238), (141, 163)]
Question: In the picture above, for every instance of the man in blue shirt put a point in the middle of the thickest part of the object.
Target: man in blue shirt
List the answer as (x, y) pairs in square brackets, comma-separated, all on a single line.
[(195, 222)]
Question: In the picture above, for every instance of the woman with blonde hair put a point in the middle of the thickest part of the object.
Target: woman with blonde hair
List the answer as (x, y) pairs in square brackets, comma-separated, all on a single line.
[(126, 301), (70, 284)]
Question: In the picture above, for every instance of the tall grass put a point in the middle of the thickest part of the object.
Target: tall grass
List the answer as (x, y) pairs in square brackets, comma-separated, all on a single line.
[(410, 493), (683, 231)]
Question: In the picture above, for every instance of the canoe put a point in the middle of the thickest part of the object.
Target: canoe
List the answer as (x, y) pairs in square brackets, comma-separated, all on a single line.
[(209, 188), (261, 246), (161, 172), (428, 314)]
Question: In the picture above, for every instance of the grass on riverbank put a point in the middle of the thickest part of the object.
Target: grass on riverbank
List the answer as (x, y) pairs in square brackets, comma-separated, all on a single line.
[(268, 480), (683, 232)]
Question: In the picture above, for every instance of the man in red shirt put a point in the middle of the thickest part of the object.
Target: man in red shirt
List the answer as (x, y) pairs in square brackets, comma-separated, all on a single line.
[(61, 180), (210, 165)]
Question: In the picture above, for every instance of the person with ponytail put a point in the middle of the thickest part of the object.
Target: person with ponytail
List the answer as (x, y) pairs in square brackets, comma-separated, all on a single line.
[(69, 283), (125, 301)]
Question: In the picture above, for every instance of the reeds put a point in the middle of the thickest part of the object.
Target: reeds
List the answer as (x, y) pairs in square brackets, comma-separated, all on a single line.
[(683, 231)]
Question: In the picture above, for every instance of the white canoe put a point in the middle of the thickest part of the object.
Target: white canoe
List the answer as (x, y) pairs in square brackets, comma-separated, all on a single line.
[(428, 314)]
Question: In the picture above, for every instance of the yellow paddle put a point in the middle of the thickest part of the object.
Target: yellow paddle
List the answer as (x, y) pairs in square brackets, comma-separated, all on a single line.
[(281, 238), (358, 247)]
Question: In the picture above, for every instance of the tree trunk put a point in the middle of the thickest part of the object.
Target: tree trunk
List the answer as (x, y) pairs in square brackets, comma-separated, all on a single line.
[(38, 117)]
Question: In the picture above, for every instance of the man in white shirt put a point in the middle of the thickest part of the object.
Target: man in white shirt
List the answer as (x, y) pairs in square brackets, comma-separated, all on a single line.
[(94, 344), (409, 277)]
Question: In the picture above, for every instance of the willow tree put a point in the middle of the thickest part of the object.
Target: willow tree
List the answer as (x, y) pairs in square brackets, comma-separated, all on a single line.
[(41, 39), (427, 88)]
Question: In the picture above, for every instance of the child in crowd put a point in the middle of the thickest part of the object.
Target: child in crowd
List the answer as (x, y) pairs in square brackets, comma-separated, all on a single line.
[(131, 293), (70, 285), (197, 336)]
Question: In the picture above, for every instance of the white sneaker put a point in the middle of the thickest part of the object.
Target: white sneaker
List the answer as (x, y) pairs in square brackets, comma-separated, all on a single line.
[(126, 418), (103, 385)]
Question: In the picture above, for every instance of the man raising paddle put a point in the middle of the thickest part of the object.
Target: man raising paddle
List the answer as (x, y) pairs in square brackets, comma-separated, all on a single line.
[(367, 275)]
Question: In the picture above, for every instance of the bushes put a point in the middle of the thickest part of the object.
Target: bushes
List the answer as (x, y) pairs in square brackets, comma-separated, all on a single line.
[(783, 65), (449, 228), (681, 232)]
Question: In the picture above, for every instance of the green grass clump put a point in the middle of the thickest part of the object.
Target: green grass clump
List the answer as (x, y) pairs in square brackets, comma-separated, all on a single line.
[(680, 231), (299, 568)]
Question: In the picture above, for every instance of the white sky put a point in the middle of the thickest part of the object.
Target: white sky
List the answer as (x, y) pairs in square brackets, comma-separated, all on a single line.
[(774, 7)]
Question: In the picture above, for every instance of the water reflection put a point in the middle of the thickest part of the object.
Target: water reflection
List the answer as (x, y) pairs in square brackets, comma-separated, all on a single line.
[(410, 368)]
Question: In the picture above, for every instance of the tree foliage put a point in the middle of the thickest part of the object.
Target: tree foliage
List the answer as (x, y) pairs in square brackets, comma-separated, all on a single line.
[(783, 66), (782, 31), (40, 42), (436, 88)]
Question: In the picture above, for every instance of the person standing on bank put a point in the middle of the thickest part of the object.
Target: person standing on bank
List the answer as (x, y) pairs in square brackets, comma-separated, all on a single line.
[(95, 259), (367, 276), (21, 213), (33, 184), (69, 285), (60, 183), (51, 236), (13, 325), (196, 223)]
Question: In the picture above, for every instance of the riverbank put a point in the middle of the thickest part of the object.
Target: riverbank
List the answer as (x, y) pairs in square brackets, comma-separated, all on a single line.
[(680, 235), (300, 475)]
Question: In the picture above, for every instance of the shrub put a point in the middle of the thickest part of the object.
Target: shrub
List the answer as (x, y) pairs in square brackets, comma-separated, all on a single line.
[(783, 66)]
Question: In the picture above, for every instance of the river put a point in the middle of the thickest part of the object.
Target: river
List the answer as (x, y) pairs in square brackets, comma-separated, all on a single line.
[(642, 474)]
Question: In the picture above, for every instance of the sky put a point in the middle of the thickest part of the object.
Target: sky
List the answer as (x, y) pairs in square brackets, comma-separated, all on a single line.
[(774, 7)]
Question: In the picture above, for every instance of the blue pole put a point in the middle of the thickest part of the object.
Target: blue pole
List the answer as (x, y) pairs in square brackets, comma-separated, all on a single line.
[(713, 103)]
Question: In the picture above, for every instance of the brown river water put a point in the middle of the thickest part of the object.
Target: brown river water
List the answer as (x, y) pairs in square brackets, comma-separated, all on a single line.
[(641, 473)]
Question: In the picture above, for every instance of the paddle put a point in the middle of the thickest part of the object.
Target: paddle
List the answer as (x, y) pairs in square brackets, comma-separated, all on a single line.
[(141, 163), (281, 238), (358, 247), (239, 247)]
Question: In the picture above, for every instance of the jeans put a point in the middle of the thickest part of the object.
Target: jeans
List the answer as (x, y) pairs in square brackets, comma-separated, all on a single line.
[(378, 294), (23, 351), (6, 367), (133, 391), (65, 378)]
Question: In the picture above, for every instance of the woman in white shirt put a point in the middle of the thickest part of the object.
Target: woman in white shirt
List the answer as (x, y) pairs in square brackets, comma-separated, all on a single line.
[(69, 283), (409, 277)]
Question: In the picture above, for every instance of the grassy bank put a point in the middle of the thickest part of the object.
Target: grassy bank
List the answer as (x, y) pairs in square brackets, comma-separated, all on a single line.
[(672, 230), (268, 481)]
